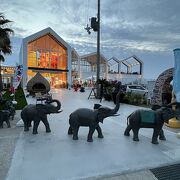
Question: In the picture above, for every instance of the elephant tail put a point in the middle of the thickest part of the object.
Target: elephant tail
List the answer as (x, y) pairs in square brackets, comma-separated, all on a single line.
[(70, 119), (23, 113), (128, 119)]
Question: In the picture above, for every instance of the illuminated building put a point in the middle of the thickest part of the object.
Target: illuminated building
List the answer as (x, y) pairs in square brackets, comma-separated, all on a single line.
[(46, 52), (7, 73)]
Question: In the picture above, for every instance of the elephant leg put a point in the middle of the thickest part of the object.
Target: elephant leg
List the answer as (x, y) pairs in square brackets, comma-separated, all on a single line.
[(100, 135), (161, 135), (29, 123), (12, 115), (156, 133), (6, 119), (1, 119), (46, 123), (1, 124), (35, 126), (135, 134), (75, 132), (70, 130), (8, 123), (26, 127), (128, 129), (12, 118), (90, 134)]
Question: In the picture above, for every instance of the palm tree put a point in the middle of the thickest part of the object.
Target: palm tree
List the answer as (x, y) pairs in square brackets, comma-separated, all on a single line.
[(5, 43)]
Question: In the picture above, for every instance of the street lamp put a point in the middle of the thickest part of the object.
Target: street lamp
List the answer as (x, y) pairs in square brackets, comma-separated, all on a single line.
[(95, 25)]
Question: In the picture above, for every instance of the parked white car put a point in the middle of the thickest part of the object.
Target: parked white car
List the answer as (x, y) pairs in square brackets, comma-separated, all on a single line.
[(137, 89)]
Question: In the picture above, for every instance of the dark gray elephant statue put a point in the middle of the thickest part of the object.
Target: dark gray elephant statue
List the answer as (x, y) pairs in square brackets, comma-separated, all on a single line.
[(4, 117), (37, 113), (91, 118), (150, 119)]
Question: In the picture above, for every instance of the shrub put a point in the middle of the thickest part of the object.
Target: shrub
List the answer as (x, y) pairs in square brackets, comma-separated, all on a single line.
[(19, 97), (134, 99)]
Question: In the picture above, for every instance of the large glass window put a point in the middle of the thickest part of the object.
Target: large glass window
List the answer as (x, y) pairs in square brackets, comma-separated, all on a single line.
[(86, 66), (74, 65), (89, 64), (56, 80), (47, 52), (74, 58)]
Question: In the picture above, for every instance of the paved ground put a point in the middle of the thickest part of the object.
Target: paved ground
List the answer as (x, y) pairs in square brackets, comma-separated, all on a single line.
[(56, 156), (8, 140)]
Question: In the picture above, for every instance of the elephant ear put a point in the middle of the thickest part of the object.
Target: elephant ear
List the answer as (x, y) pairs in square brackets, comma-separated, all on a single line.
[(100, 117), (103, 112), (97, 106), (41, 108)]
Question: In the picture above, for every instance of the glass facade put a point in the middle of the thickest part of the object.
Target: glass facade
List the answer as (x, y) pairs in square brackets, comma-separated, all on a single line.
[(49, 57), (7, 73), (86, 66), (91, 66), (75, 66), (74, 62)]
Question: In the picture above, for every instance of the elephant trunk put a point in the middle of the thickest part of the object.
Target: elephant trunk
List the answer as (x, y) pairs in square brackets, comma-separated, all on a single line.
[(58, 107), (115, 110)]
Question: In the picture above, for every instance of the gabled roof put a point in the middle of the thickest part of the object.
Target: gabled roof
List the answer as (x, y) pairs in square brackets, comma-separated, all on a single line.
[(75, 54), (116, 61), (45, 32), (129, 61), (92, 57), (133, 61)]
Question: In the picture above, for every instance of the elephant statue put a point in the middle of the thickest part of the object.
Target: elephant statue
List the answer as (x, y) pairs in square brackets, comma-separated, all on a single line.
[(90, 118), (150, 119), (4, 117), (8, 105), (37, 113)]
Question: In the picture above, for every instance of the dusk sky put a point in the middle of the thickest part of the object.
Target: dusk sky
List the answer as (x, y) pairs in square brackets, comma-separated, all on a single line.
[(149, 29)]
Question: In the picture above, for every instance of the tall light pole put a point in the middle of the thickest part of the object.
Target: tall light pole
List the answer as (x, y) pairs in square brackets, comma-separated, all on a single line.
[(95, 25), (98, 43), (98, 93)]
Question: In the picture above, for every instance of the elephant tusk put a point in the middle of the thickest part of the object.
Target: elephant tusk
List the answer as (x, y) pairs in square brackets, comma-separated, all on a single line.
[(59, 111)]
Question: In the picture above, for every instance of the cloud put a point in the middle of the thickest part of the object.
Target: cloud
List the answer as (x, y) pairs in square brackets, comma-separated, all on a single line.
[(127, 26)]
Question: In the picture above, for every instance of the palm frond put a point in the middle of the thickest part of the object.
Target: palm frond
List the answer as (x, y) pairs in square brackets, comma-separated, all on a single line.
[(2, 58), (8, 30), (1, 16), (4, 21), (5, 43)]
